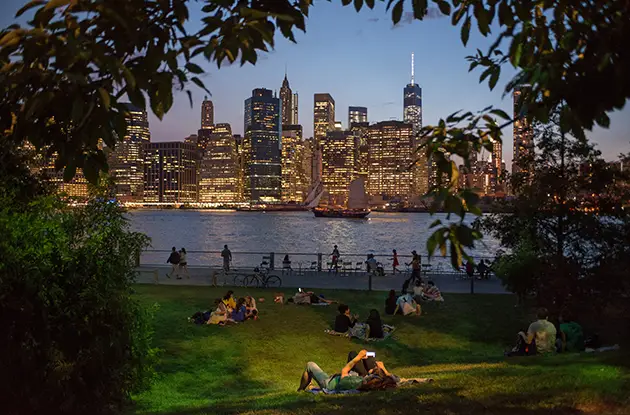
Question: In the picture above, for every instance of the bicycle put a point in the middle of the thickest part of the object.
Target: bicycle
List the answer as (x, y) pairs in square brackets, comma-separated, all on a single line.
[(261, 279)]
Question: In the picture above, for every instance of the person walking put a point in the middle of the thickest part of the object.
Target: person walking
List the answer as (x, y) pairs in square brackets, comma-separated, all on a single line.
[(183, 264), (395, 262), (173, 259), (227, 258), (415, 271), (335, 259)]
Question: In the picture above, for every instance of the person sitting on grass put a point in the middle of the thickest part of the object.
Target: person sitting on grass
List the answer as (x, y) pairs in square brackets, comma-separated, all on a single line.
[(220, 315), (375, 325), (571, 335), (390, 303), (250, 305), (407, 305), (360, 373), (229, 301), (239, 314), (418, 291), (431, 292), (539, 339), (344, 321)]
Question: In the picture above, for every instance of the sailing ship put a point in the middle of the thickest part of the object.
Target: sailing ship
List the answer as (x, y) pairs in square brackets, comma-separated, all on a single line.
[(356, 207)]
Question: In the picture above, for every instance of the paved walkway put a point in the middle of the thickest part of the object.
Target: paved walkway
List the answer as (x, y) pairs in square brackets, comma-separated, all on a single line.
[(448, 283)]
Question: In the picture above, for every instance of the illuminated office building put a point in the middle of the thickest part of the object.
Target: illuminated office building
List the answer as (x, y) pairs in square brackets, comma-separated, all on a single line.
[(126, 161), (294, 182), (263, 171), (389, 156), (218, 168), (307, 161), (207, 113), (170, 172), (523, 136), (357, 115), (338, 165), (289, 102), (240, 167), (360, 132), (323, 122)]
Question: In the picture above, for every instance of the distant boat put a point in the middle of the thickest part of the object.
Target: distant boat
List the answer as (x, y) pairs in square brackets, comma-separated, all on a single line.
[(356, 208)]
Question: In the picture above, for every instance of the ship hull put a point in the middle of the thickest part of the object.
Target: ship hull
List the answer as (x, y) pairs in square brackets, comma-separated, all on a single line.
[(341, 213)]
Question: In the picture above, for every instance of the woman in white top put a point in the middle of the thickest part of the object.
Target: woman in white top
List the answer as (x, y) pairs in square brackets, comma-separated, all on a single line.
[(183, 263)]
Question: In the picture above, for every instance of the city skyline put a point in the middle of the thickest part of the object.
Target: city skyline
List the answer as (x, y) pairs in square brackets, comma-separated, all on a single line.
[(348, 46)]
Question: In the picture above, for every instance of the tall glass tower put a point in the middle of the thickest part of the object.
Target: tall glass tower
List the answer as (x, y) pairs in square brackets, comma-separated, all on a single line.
[(412, 103)]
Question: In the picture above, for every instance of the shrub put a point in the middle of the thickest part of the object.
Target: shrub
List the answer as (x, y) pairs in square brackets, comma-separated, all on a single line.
[(74, 339)]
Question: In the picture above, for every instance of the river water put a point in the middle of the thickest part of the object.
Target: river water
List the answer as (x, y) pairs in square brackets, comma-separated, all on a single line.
[(286, 232)]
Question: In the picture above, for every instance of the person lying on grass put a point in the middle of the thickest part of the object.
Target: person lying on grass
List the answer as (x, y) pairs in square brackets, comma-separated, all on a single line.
[(309, 297), (360, 373)]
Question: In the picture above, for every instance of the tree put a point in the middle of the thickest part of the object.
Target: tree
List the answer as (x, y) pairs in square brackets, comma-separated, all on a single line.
[(569, 208), (63, 75)]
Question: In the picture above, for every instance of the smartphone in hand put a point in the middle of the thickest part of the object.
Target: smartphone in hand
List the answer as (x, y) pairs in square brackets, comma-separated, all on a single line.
[(370, 354)]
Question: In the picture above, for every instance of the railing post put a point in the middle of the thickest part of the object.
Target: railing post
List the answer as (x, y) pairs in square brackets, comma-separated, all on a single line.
[(370, 281), (319, 262), (472, 284), (272, 259)]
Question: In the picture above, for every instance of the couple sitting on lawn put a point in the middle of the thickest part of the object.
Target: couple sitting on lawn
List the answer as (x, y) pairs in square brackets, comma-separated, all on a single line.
[(230, 311), (345, 322), (543, 338), (404, 304), (360, 373), (426, 292)]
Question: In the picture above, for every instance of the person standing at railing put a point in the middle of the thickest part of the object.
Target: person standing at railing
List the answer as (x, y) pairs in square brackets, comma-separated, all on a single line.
[(227, 258), (395, 262), (335, 259)]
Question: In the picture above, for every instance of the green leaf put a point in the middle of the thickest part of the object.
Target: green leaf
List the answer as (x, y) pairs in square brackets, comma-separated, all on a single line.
[(494, 78), (346, 2), (516, 50), (445, 8), (28, 6), (56, 3), (369, 3), (500, 113), (506, 16), (194, 68), (105, 99), (358, 4), (397, 12), (465, 32)]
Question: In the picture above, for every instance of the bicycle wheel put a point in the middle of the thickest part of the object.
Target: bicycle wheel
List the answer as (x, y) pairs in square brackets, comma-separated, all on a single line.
[(239, 280), (273, 281), (251, 281)]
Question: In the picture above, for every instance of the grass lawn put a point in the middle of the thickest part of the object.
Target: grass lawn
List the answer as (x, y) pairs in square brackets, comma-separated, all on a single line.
[(254, 368)]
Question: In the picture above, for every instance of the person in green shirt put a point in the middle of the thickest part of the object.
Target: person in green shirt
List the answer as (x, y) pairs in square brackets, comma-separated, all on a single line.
[(571, 335), (350, 378)]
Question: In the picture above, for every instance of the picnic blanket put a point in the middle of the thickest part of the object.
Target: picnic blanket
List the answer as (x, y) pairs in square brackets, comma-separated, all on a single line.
[(359, 331)]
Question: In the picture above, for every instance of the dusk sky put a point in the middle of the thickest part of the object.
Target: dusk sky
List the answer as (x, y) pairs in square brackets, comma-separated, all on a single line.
[(362, 60)]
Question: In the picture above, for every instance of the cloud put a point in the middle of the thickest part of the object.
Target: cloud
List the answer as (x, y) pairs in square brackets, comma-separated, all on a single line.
[(388, 103), (408, 18), (373, 19)]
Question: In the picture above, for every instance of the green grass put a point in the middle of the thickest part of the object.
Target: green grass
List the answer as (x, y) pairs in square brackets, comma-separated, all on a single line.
[(254, 368)]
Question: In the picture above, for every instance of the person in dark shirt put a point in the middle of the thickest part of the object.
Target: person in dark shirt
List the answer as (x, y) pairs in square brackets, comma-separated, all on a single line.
[(173, 259), (375, 324), (390, 302), (344, 321)]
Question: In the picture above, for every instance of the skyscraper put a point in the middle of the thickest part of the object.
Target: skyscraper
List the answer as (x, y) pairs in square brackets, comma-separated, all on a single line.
[(523, 136), (171, 172), (126, 162), (294, 181), (497, 157), (360, 130), (218, 169), (207, 113), (263, 176), (389, 155), (338, 165), (412, 114), (323, 122), (358, 115), (289, 103)]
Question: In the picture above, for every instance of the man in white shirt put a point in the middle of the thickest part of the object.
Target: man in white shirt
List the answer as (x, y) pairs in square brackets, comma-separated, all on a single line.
[(542, 332)]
